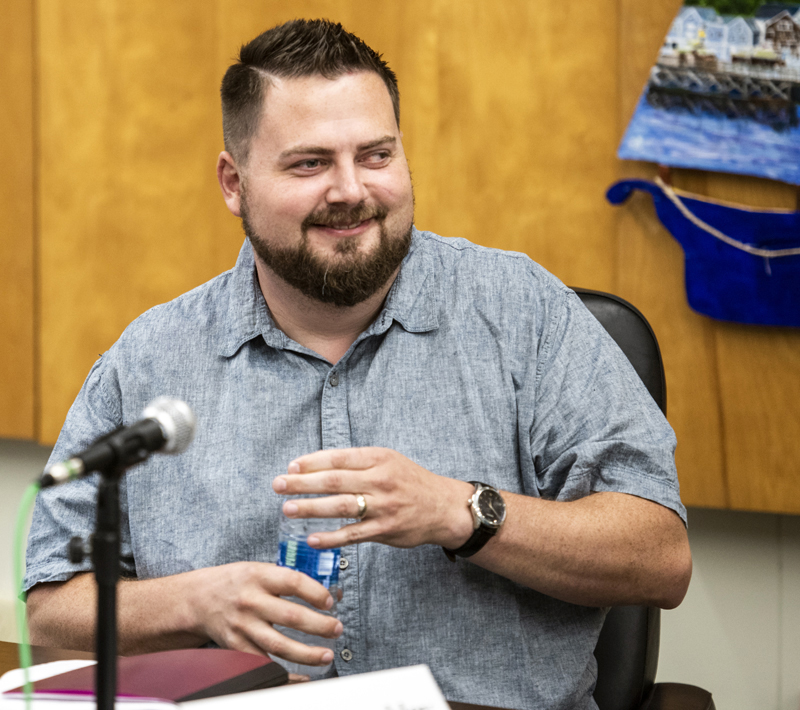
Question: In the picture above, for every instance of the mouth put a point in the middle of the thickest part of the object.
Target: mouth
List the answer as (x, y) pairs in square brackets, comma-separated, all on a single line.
[(345, 230)]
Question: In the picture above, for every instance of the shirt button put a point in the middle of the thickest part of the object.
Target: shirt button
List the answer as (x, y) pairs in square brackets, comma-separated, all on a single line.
[(343, 563), (334, 379), (347, 654)]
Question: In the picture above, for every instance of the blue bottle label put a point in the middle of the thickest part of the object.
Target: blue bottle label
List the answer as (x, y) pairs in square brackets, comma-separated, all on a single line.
[(321, 565)]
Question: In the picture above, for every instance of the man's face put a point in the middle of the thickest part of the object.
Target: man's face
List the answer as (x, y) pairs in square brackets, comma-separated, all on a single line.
[(326, 197)]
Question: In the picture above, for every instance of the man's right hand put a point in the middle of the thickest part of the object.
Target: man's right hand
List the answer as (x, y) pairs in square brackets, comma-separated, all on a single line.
[(241, 602), (234, 605)]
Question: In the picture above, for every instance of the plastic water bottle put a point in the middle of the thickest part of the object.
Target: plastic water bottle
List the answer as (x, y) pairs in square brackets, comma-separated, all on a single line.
[(322, 566)]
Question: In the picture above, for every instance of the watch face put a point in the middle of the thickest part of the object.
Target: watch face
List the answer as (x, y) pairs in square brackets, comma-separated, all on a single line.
[(491, 507)]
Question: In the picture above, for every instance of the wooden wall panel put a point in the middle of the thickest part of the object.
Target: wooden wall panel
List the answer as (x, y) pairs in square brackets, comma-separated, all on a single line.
[(17, 315), (131, 215), (759, 370), (524, 146), (760, 384)]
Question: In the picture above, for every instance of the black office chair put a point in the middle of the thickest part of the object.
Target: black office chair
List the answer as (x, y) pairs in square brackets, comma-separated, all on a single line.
[(627, 650)]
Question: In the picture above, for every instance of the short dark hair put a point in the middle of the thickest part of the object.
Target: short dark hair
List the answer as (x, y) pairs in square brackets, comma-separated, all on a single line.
[(293, 49)]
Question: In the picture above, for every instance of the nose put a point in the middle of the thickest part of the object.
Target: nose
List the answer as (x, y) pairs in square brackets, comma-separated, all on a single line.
[(346, 186)]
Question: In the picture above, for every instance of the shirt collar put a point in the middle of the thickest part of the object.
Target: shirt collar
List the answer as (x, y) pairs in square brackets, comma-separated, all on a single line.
[(415, 296), (413, 300), (246, 315)]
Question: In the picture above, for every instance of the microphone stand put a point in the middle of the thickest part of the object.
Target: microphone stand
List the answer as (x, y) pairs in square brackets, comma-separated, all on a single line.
[(168, 422), (105, 549), (121, 449), (105, 558)]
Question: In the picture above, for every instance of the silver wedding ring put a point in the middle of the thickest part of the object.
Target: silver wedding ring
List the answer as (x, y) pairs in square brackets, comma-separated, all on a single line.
[(362, 506)]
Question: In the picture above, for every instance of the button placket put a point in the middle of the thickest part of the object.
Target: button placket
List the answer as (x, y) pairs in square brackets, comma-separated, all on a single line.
[(336, 434)]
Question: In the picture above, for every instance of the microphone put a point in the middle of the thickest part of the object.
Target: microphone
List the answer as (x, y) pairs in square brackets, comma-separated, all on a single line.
[(167, 427)]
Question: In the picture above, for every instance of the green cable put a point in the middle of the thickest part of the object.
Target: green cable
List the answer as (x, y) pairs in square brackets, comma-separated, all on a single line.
[(25, 506)]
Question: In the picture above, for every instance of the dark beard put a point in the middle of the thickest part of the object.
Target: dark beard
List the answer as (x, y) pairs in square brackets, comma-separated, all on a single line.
[(346, 281)]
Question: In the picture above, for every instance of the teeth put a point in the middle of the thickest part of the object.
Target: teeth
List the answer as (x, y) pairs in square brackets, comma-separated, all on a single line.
[(349, 226)]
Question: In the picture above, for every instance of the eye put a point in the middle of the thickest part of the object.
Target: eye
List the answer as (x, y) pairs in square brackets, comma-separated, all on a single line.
[(378, 158), (310, 164)]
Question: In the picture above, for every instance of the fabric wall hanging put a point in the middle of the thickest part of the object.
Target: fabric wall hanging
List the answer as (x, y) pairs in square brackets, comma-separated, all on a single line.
[(741, 265), (723, 96), (723, 92)]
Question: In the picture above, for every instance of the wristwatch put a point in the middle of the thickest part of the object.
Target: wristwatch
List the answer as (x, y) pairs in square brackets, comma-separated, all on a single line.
[(488, 514)]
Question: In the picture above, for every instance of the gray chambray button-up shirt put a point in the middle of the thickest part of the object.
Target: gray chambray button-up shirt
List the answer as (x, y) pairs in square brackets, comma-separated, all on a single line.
[(481, 366)]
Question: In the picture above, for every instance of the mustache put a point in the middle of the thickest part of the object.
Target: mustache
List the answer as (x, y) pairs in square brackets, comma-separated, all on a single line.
[(338, 218)]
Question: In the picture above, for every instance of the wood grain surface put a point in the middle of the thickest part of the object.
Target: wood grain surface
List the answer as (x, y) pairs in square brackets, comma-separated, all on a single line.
[(9, 655), (511, 114), (130, 211), (17, 311)]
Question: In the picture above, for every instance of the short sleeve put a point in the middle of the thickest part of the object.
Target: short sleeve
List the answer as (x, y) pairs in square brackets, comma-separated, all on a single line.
[(596, 428), (65, 511)]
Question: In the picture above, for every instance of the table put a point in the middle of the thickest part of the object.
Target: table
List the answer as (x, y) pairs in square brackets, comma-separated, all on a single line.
[(9, 659), (9, 655)]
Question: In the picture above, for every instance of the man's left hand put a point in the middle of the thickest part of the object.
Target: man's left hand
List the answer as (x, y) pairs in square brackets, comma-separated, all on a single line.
[(407, 505)]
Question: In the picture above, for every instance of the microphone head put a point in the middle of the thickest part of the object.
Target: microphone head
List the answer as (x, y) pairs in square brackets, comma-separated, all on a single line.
[(176, 420)]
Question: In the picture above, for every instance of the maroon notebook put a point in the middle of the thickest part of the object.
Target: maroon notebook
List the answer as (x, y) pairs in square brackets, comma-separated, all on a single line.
[(186, 674)]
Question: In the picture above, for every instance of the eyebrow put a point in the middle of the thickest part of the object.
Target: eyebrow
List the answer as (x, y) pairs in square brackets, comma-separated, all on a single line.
[(319, 150)]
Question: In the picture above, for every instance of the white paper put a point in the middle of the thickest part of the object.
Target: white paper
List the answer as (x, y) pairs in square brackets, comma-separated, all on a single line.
[(411, 688)]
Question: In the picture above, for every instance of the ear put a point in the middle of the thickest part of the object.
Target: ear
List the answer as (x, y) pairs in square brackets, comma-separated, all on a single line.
[(230, 181)]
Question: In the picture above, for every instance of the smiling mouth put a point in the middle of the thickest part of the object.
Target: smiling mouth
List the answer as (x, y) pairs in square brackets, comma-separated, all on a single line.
[(346, 221), (344, 227)]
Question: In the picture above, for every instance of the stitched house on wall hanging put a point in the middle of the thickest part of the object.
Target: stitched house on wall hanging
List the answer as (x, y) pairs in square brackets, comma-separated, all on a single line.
[(723, 96)]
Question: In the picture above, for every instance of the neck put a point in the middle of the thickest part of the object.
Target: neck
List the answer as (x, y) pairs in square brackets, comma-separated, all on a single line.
[(326, 329)]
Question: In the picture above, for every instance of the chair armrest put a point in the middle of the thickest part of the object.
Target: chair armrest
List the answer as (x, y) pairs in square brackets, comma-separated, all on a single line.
[(678, 696)]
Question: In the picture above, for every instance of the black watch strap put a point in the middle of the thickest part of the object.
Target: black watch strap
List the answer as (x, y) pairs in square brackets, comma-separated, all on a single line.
[(476, 541), (480, 536)]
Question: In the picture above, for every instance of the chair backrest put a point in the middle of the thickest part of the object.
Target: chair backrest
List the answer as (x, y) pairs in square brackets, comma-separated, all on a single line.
[(627, 650)]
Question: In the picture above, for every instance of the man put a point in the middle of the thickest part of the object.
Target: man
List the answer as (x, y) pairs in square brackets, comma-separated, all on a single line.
[(350, 355)]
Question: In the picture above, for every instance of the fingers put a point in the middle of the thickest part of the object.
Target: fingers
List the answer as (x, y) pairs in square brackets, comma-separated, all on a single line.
[(284, 582), (297, 652), (264, 601), (404, 501), (338, 506), (346, 459), (332, 471), (350, 535), (289, 614), (296, 616), (328, 481), (296, 678), (247, 606), (261, 639)]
